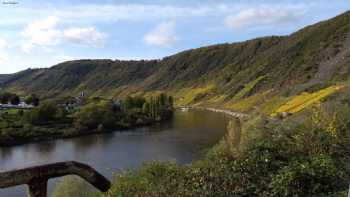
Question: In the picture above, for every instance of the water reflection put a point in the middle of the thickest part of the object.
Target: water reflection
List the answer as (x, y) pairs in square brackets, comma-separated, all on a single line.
[(45, 148), (5, 154)]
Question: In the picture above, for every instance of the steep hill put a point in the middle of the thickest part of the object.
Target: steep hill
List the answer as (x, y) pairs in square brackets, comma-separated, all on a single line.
[(237, 76)]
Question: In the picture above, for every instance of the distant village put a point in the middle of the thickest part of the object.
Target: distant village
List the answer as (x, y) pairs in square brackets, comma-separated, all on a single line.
[(21, 105), (12, 101), (75, 102)]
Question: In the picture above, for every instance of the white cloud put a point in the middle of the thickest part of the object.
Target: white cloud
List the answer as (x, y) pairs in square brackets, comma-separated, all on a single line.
[(163, 35), (43, 24), (84, 36), (42, 33), (262, 16), (45, 32)]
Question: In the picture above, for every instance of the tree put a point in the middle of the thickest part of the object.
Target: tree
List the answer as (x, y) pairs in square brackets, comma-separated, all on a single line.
[(159, 107), (133, 103), (36, 101), (146, 108), (45, 112), (32, 100), (138, 102), (92, 115), (163, 99), (171, 102), (127, 103), (14, 99), (28, 100), (5, 97)]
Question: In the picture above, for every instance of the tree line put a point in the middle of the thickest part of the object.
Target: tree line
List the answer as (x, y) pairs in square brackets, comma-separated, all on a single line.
[(14, 99), (103, 114), (156, 107)]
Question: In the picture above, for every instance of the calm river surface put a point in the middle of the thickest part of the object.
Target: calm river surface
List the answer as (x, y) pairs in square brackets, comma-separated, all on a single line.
[(183, 139)]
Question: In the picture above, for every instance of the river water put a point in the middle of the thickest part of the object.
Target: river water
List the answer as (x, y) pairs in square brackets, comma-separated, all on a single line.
[(183, 139)]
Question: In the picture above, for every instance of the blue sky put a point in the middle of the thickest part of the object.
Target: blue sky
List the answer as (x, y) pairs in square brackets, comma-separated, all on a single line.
[(39, 33)]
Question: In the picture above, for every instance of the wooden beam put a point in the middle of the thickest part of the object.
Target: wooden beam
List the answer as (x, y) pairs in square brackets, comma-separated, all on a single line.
[(36, 177)]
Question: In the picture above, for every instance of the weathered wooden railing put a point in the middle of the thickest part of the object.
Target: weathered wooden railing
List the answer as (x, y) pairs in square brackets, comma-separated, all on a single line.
[(36, 177)]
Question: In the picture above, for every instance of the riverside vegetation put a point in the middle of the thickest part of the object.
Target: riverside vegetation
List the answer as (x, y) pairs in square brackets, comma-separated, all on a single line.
[(49, 120)]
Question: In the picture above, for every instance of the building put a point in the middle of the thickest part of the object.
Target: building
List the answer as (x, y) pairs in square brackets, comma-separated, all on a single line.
[(21, 105)]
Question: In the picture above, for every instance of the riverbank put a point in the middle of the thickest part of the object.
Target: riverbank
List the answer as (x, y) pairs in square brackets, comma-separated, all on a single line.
[(51, 121), (49, 133), (224, 111)]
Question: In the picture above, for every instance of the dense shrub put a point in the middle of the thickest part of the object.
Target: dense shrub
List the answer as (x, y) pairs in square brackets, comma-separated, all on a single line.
[(94, 114), (44, 113), (32, 100), (73, 186)]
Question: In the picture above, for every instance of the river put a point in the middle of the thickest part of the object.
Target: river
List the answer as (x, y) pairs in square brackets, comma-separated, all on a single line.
[(183, 139)]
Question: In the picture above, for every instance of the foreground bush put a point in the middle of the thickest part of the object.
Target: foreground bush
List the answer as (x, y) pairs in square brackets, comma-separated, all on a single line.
[(73, 186)]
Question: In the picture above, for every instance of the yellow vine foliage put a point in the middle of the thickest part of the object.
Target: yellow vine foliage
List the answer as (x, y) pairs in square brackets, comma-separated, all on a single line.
[(317, 114), (332, 126), (300, 102), (320, 119), (187, 96)]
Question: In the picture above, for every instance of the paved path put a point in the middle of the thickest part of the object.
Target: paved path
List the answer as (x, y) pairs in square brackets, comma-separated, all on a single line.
[(228, 112)]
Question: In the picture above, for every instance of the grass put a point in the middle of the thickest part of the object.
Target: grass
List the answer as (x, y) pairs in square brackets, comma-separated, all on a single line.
[(272, 104), (9, 118), (189, 96), (247, 104), (215, 101), (248, 88)]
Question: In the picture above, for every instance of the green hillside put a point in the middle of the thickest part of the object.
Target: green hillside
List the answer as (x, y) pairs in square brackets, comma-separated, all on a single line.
[(237, 76)]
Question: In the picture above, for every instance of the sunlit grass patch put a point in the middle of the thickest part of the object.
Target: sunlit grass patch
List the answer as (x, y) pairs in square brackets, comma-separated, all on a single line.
[(188, 96), (248, 88), (272, 104), (215, 101), (247, 104), (300, 102)]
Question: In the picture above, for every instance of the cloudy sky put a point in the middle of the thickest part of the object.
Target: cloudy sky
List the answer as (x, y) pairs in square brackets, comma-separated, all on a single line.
[(43, 33)]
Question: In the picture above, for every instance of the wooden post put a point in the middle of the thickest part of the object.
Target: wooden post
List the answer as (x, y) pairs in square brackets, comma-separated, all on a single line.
[(36, 177), (37, 188)]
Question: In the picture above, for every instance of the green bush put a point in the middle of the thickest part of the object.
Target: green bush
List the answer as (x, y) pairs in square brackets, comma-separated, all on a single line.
[(90, 116), (73, 186), (42, 114), (32, 100)]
